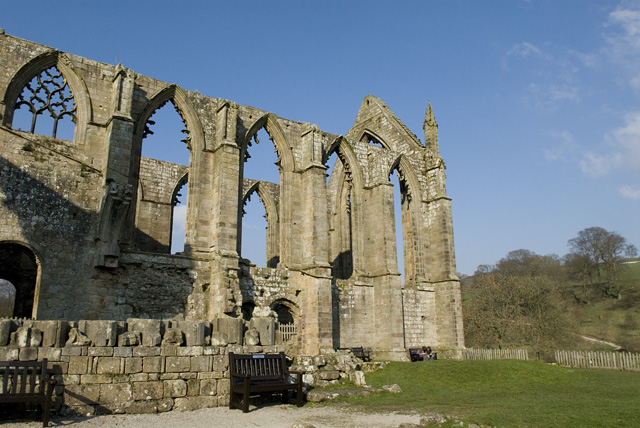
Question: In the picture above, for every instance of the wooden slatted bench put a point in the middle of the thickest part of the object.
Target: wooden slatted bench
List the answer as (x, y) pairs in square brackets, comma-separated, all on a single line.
[(27, 382), (359, 352), (258, 373)]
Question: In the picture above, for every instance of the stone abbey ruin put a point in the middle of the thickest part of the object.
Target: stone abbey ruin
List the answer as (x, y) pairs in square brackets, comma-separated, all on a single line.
[(85, 220)]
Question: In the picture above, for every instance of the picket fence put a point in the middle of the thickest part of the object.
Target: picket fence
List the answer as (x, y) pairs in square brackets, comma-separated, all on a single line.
[(495, 354), (599, 360), (287, 331)]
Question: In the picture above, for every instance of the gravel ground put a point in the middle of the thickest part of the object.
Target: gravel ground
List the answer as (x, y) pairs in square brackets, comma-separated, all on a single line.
[(270, 416)]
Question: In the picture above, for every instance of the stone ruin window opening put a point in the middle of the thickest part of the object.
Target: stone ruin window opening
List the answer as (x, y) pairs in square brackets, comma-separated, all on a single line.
[(179, 216), (166, 138), (331, 164), (19, 266), (46, 106), (254, 229), (401, 200), (341, 221), (260, 162), (371, 140)]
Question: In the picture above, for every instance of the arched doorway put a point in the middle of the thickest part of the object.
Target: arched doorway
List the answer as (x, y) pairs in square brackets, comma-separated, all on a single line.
[(19, 266)]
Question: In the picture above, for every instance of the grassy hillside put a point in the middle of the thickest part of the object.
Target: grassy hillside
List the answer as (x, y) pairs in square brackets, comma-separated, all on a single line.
[(613, 319), (509, 393), (601, 312)]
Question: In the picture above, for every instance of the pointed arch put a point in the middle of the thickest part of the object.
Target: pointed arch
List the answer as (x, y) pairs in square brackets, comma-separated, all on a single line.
[(269, 122), (409, 175), (412, 239), (273, 221), (84, 113), (348, 157), (185, 109), (372, 135)]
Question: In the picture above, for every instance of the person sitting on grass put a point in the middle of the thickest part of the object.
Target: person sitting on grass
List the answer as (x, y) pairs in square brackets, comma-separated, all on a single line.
[(427, 353)]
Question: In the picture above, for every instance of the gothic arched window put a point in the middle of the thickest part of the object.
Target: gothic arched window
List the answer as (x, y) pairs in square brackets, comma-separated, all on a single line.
[(48, 92)]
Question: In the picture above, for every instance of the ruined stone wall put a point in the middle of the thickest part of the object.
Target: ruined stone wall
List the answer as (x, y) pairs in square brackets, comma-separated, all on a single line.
[(159, 181), (97, 215), (420, 329)]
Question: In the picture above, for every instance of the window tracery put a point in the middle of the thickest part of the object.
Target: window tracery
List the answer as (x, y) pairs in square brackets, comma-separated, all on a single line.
[(48, 92)]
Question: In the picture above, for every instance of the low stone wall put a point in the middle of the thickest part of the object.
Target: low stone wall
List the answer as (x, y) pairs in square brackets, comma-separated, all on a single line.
[(126, 367)]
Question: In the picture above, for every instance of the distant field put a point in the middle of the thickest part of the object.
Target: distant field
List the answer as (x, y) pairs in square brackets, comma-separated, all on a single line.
[(509, 393)]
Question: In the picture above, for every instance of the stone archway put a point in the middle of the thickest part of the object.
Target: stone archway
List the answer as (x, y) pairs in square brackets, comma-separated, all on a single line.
[(19, 266)]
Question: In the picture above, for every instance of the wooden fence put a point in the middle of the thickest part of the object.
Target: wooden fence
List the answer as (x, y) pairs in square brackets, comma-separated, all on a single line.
[(495, 354), (599, 360), (286, 332)]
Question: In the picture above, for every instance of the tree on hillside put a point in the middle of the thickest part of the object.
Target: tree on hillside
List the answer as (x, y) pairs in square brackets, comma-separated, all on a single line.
[(525, 262), (596, 254), (514, 311)]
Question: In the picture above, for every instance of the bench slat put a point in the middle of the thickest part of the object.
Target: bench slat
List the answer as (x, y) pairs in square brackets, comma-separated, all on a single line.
[(253, 373)]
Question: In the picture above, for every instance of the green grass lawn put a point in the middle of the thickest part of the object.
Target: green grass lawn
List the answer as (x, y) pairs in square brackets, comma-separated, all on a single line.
[(509, 393)]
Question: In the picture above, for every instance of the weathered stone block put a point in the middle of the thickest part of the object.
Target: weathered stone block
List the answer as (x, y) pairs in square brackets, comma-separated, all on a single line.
[(116, 396), (101, 333), (9, 353), (102, 351), (224, 385), (193, 386), (175, 388), (194, 403), (133, 365), (81, 395), (266, 327), (28, 354), (149, 329), (146, 351), (79, 365), (152, 364), (148, 390), (191, 351), (96, 378), (123, 351), (201, 364), (177, 364), (51, 354), (5, 330), (194, 331), (7, 299), (108, 365), (142, 407), (208, 386), (54, 333), (165, 405)]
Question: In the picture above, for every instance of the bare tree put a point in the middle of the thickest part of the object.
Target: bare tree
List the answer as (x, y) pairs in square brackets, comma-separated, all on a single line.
[(597, 251)]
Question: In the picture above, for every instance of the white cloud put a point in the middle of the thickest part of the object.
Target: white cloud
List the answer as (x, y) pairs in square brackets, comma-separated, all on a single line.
[(565, 151), (629, 192), (623, 48), (624, 153), (524, 50)]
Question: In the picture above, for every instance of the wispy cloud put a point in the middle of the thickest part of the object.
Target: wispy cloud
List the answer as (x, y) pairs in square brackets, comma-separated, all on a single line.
[(566, 150), (624, 151), (629, 192), (551, 75), (623, 42)]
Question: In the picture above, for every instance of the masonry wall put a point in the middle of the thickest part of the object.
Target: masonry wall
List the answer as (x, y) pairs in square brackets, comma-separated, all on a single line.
[(97, 215)]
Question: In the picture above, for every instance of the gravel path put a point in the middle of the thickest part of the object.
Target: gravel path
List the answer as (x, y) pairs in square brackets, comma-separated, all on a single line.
[(273, 416)]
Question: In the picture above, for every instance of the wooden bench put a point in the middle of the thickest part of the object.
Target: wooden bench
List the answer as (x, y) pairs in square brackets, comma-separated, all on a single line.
[(359, 352), (27, 382), (415, 354), (258, 373)]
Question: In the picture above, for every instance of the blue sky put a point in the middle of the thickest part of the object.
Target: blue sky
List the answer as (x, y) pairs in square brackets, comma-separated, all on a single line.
[(538, 101)]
